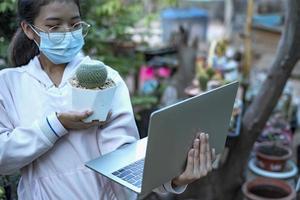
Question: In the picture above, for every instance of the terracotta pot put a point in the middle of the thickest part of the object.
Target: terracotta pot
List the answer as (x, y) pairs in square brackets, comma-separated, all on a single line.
[(272, 157), (268, 189)]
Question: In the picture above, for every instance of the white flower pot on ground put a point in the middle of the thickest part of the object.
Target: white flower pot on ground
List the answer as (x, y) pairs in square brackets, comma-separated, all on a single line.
[(99, 101)]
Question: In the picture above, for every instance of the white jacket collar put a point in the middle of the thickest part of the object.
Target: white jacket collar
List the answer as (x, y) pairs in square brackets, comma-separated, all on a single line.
[(35, 70)]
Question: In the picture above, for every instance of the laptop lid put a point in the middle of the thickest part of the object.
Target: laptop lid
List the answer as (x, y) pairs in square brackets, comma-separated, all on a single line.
[(173, 129)]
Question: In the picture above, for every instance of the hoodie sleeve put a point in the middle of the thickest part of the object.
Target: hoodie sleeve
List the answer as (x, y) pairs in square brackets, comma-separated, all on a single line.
[(167, 187), (19, 146)]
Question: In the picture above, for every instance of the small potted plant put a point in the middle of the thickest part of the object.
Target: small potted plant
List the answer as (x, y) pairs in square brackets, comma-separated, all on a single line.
[(92, 89), (266, 188), (2, 193), (272, 156)]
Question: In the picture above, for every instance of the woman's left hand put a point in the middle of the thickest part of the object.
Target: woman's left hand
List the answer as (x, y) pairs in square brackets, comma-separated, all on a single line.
[(199, 161)]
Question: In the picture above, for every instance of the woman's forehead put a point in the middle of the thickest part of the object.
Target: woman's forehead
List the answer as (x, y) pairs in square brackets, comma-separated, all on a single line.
[(56, 10)]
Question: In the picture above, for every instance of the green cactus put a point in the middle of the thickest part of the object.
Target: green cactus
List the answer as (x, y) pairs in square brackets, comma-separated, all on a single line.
[(203, 79), (210, 72), (91, 74)]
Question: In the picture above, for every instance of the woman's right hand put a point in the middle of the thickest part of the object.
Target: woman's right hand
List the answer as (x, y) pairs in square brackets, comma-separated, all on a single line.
[(74, 120)]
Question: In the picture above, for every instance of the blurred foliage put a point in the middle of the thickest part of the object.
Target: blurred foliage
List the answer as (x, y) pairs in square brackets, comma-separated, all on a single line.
[(4, 181), (169, 3), (2, 194), (7, 5), (112, 23), (112, 17), (144, 100), (3, 50), (8, 25), (8, 186), (110, 20), (141, 103)]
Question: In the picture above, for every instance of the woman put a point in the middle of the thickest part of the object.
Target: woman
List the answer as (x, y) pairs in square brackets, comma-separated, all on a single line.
[(41, 136)]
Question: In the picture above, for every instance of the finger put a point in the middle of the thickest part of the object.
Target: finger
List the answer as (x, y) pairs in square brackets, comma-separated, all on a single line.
[(190, 161), (213, 154), (202, 152), (93, 123), (78, 116), (108, 116), (85, 125), (196, 156), (82, 125), (96, 123), (102, 123), (208, 154), (198, 135)]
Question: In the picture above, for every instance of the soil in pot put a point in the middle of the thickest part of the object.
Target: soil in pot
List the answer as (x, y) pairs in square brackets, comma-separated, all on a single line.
[(269, 191), (272, 157), (273, 150)]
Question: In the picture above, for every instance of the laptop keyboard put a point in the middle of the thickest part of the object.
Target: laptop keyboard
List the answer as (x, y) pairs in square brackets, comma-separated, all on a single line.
[(132, 173)]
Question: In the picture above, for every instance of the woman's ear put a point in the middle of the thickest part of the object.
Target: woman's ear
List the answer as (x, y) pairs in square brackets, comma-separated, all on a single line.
[(28, 30)]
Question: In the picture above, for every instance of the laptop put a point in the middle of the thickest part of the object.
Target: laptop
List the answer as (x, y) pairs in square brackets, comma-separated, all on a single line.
[(150, 162)]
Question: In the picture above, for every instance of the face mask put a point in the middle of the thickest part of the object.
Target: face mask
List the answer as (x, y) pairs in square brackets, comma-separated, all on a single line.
[(61, 51)]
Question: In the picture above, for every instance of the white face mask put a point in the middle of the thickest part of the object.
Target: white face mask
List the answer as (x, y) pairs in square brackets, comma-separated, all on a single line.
[(62, 47)]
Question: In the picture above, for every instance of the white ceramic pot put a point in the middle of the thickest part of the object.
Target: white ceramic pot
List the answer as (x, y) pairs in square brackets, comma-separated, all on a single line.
[(99, 101)]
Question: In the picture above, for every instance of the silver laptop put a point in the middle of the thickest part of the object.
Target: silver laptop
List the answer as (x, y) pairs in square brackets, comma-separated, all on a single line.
[(152, 161)]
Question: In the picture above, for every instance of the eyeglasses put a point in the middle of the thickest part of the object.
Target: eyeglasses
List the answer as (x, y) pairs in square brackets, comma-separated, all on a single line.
[(57, 34)]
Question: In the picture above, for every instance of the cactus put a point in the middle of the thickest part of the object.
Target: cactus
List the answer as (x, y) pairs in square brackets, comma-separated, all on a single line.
[(210, 72), (91, 74), (203, 79)]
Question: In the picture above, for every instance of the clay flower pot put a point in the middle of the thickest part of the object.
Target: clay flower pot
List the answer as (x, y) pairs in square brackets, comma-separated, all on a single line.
[(268, 189), (271, 156)]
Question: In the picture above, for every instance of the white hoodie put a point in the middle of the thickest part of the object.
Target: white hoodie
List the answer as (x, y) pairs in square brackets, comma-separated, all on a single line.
[(51, 159)]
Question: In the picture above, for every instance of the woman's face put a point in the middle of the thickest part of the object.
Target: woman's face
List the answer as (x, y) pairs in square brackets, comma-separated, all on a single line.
[(57, 13)]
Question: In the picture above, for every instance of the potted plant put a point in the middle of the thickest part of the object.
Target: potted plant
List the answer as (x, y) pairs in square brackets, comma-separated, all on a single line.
[(92, 89), (2, 193), (6, 188), (267, 188), (272, 156), (277, 129), (209, 78)]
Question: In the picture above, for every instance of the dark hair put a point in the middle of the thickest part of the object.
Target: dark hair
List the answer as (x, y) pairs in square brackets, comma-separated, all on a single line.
[(21, 48)]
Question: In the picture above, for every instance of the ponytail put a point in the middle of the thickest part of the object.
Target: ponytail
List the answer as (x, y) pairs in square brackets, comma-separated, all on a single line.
[(21, 49)]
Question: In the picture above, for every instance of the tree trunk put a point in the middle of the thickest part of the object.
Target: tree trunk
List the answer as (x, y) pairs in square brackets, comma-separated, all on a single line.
[(225, 183), (186, 59)]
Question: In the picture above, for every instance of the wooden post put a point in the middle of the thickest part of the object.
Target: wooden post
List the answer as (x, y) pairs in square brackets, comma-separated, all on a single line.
[(228, 17), (248, 40)]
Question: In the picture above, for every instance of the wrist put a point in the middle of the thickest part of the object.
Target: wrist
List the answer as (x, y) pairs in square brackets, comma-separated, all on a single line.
[(58, 115), (175, 187), (179, 182), (56, 124), (60, 119), (175, 183)]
